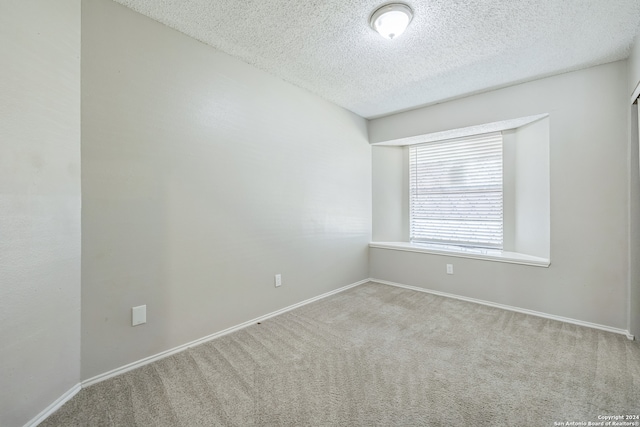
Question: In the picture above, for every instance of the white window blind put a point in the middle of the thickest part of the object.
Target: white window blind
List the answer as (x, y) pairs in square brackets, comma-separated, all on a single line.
[(456, 191)]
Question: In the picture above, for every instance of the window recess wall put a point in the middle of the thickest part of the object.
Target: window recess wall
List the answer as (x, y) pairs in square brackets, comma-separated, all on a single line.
[(480, 191)]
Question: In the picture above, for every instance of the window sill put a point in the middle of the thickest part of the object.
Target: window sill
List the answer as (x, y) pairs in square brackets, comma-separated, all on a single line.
[(461, 252)]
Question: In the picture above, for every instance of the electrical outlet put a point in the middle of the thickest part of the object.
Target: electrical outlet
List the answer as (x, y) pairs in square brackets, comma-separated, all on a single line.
[(449, 268), (278, 280), (138, 315)]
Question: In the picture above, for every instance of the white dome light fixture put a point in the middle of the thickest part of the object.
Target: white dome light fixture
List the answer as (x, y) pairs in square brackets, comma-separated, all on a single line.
[(391, 20)]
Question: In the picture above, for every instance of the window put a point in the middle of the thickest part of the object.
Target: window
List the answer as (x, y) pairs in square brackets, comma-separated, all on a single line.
[(456, 195)]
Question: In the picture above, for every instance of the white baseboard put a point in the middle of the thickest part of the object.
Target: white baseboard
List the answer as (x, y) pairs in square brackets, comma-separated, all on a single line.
[(54, 406), (98, 378), (162, 355), (510, 308)]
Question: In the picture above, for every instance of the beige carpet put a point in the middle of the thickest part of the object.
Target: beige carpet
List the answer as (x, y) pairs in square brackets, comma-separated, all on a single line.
[(376, 355)]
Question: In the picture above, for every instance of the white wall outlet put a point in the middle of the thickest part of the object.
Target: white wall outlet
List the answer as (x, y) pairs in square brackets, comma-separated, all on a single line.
[(449, 268), (278, 280), (138, 315)]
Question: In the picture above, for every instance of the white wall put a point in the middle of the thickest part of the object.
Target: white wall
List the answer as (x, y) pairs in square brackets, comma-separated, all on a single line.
[(634, 224), (634, 66), (531, 192), (587, 279), (390, 187), (634, 193), (202, 178), (39, 205)]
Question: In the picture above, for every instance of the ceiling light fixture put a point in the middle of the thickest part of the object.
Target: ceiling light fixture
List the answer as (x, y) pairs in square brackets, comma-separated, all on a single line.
[(391, 20)]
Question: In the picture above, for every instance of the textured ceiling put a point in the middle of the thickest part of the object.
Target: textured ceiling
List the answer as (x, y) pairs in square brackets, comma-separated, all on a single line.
[(452, 48)]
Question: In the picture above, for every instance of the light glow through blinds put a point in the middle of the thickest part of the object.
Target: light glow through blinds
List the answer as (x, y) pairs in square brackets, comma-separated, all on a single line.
[(456, 191)]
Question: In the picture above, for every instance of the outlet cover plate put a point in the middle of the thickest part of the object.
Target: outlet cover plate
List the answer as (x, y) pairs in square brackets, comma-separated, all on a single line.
[(138, 315)]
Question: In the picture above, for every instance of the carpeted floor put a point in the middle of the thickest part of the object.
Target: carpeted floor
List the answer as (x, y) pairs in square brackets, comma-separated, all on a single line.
[(377, 355)]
